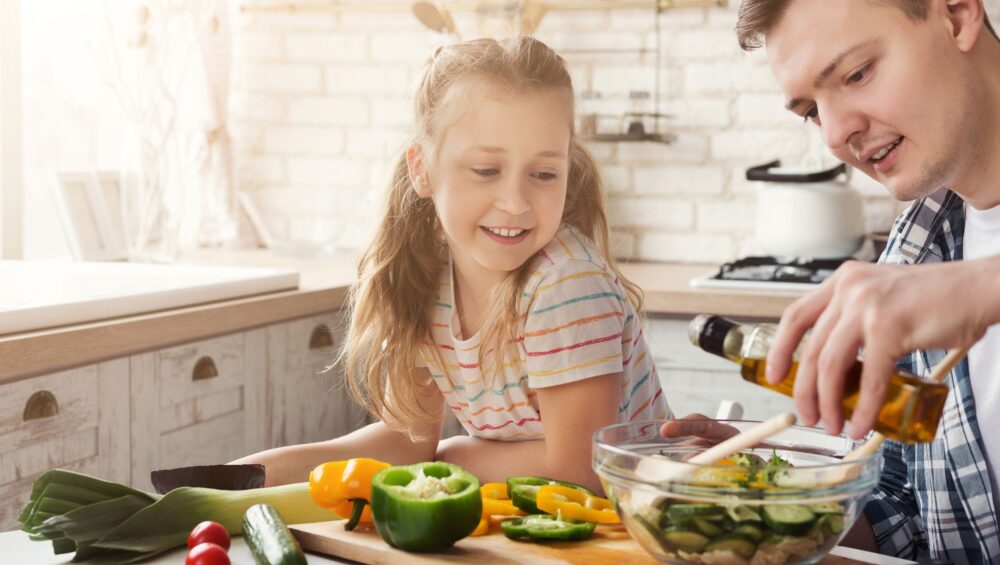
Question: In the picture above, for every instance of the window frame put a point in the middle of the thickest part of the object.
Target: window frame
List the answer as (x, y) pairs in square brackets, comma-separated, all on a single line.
[(11, 156)]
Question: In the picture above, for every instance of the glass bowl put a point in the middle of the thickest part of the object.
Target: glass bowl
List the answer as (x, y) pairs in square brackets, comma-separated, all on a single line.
[(686, 513)]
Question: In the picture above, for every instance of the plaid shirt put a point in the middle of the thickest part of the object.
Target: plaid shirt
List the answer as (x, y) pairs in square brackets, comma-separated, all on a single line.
[(935, 500)]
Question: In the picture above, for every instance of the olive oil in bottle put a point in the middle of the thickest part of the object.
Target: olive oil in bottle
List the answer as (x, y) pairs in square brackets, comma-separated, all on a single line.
[(912, 408)]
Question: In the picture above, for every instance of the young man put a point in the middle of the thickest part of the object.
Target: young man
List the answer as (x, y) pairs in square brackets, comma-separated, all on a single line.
[(907, 91)]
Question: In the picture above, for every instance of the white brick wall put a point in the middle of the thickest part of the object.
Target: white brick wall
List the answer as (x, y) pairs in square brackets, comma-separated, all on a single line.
[(322, 103)]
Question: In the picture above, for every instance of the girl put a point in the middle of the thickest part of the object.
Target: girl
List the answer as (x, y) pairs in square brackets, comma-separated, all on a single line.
[(490, 287)]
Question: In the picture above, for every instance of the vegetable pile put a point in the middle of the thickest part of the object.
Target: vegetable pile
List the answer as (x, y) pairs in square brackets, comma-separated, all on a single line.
[(109, 522), (732, 532)]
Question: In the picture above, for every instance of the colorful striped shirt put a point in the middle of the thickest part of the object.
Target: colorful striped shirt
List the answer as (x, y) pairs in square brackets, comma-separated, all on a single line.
[(577, 324), (934, 500)]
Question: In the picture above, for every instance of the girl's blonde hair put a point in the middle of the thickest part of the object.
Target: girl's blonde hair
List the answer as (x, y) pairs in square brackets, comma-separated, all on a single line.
[(399, 273)]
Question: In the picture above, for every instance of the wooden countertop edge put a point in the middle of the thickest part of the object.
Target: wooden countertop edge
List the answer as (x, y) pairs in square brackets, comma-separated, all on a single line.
[(46, 351), (28, 354)]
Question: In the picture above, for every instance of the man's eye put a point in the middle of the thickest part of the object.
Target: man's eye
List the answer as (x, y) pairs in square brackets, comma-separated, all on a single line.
[(486, 172), (858, 75), (544, 175)]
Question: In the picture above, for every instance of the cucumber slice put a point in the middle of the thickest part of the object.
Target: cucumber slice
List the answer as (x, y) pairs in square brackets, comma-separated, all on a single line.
[(707, 527), (684, 512), (741, 513), (788, 519), (832, 523), (750, 530), (691, 542), (740, 545), (822, 508)]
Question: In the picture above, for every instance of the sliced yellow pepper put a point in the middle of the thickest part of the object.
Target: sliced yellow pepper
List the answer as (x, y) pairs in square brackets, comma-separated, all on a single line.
[(572, 504), (495, 503)]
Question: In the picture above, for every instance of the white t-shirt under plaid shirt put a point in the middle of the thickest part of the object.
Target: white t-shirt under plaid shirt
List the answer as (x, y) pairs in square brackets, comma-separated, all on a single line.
[(577, 323)]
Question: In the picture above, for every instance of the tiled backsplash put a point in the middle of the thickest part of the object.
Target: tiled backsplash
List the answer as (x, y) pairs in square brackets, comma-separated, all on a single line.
[(322, 105)]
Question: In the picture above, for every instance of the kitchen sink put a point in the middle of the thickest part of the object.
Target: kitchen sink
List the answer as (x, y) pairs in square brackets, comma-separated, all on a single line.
[(42, 294)]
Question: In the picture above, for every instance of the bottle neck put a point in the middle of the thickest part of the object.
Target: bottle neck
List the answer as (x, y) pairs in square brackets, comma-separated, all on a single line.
[(726, 338)]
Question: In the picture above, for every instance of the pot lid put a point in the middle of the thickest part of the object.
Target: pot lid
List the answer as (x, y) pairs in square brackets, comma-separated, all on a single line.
[(771, 172)]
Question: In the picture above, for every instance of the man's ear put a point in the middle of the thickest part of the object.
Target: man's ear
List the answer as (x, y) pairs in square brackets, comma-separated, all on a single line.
[(416, 170), (967, 22)]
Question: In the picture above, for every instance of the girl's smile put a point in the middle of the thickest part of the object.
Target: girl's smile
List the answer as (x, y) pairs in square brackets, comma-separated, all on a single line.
[(506, 236)]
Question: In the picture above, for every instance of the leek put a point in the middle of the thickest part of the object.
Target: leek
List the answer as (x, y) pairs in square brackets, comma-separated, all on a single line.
[(108, 522)]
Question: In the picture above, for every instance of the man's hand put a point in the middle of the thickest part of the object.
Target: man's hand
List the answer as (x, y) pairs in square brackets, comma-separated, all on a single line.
[(890, 310)]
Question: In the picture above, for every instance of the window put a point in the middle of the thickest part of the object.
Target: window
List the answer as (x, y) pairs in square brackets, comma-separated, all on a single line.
[(69, 119)]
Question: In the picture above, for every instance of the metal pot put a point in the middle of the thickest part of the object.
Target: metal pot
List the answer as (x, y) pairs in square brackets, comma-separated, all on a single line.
[(807, 214)]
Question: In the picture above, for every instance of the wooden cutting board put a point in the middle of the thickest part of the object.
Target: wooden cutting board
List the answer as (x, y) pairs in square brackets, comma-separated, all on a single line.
[(610, 544)]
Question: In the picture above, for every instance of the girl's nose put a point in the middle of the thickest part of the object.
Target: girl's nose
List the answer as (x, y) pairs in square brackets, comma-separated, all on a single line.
[(512, 198)]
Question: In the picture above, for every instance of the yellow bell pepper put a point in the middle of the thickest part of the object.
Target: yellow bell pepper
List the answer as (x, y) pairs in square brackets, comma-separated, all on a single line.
[(495, 503), (345, 487), (572, 504)]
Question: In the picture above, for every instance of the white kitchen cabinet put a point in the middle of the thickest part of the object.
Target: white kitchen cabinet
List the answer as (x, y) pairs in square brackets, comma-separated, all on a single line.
[(308, 398), (76, 419), (696, 381), (199, 403)]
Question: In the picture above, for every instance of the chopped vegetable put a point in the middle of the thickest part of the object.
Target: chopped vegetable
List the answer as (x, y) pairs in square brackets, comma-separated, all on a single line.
[(495, 503), (573, 504), (425, 507), (209, 532), (524, 490), (345, 487), (268, 537), (102, 520), (547, 527)]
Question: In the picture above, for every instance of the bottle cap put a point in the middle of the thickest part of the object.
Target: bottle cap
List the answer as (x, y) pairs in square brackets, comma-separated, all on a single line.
[(708, 332)]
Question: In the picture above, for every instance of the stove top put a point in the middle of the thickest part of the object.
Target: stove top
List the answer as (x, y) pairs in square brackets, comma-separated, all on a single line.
[(771, 273)]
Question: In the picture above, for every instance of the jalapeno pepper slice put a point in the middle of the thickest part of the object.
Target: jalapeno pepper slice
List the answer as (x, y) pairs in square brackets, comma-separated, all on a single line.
[(524, 490), (425, 507), (547, 527)]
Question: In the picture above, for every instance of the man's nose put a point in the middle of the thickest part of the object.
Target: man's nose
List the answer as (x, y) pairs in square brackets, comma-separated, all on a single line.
[(840, 124), (512, 197)]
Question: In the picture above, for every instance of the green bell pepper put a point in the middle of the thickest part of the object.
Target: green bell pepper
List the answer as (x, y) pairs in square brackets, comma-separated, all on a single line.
[(524, 491), (547, 527), (425, 507)]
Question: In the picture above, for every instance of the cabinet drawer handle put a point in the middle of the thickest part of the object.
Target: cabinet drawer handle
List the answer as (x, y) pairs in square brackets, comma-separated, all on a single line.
[(40, 405), (204, 369), (321, 338)]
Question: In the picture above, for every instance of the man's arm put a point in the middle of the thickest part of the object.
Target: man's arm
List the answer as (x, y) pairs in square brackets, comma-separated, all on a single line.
[(573, 412), (890, 310)]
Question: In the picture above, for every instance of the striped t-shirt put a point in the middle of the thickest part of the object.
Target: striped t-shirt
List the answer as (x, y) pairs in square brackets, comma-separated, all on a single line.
[(577, 323)]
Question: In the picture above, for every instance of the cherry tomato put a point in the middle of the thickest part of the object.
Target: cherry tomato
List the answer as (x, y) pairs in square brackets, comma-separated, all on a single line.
[(207, 554), (209, 532)]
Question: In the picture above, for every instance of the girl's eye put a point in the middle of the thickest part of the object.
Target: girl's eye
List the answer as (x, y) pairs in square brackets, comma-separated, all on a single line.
[(811, 114), (545, 175), (486, 172)]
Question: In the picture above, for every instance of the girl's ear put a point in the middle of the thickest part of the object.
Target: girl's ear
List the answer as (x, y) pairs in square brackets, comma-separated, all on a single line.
[(417, 172)]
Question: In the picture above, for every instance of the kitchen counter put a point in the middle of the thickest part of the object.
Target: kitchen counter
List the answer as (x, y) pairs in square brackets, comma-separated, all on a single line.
[(323, 287), (16, 547)]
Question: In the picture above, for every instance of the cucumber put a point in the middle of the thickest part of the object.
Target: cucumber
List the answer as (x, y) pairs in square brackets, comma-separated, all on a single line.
[(750, 530), (685, 512), (788, 519), (691, 542), (822, 508), (268, 537), (740, 545), (832, 523), (707, 527)]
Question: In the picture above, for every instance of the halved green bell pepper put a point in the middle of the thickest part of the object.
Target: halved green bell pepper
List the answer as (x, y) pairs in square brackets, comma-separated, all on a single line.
[(425, 507), (547, 527), (524, 491)]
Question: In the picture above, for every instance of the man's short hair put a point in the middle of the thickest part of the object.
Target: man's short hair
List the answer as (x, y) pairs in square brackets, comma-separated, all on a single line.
[(757, 17)]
